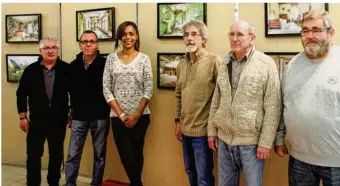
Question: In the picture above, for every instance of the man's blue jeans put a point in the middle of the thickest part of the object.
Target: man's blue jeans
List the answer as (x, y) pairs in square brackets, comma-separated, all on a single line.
[(305, 174), (233, 159), (198, 161), (99, 131)]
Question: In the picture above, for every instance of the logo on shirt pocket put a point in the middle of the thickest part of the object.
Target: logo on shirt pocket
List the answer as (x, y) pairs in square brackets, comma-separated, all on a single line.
[(332, 80)]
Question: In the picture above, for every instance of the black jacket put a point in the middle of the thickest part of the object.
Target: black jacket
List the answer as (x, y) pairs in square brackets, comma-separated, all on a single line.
[(32, 85), (86, 89)]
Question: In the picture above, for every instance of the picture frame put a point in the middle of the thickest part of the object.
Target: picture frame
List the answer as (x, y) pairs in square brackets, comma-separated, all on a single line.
[(16, 64), (23, 28), (284, 19), (172, 16), (101, 21), (281, 59), (166, 69)]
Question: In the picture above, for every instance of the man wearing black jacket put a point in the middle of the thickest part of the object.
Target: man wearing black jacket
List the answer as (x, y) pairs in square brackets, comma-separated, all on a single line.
[(44, 83), (89, 109)]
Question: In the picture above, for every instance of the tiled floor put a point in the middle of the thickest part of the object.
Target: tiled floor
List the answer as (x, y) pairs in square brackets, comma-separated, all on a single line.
[(16, 176)]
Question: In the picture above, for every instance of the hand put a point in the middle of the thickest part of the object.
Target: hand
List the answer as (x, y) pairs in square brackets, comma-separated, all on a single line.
[(281, 150), (178, 133), (124, 119), (69, 121), (212, 140), (24, 125), (262, 153), (130, 121)]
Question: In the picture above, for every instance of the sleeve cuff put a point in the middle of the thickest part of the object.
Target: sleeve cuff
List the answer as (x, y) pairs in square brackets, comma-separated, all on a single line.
[(177, 115), (279, 141), (110, 99), (212, 132), (265, 145), (147, 97)]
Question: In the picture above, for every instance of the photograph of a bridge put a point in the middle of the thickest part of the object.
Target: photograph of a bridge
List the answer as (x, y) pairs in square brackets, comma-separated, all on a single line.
[(16, 64)]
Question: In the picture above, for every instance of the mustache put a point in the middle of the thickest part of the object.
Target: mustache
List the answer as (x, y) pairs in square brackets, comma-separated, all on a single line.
[(311, 41)]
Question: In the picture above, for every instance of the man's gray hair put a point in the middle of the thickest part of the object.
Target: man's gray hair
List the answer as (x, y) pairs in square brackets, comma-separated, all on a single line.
[(47, 39), (314, 14), (251, 28), (202, 29)]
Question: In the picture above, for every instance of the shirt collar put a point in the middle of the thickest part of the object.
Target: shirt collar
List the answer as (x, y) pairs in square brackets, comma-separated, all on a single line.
[(88, 64), (43, 66), (200, 54), (233, 57)]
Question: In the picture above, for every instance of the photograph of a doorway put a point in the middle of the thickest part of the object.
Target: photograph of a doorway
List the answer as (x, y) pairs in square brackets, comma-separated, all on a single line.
[(101, 21)]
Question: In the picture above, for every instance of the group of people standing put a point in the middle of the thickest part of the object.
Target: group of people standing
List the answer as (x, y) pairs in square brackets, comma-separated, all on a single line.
[(238, 107), (235, 106), (93, 85)]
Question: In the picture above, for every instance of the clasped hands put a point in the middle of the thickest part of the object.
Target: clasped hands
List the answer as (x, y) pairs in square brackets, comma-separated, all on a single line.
[(130, 120)]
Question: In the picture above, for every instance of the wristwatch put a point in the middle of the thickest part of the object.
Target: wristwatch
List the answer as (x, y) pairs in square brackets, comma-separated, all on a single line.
[(121, 116), (177, 120)]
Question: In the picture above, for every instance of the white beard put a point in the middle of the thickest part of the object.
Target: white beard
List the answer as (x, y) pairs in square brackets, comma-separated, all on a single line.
[(191, 48)]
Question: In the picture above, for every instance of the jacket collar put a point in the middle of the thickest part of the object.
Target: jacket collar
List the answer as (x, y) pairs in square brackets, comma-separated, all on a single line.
[(231, 55), (248, 54)]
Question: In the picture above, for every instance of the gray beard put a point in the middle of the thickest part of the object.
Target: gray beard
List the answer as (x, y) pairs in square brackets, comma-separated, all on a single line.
[(317, 51)]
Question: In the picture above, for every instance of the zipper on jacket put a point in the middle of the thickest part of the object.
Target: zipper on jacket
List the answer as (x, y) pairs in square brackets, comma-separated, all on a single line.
[(232, 117)]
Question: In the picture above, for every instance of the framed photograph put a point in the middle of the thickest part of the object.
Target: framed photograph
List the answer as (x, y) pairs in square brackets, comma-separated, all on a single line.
[(23, 28), (16, 64), (101, 21), (281, 59), (284, 19), (172, 16), (166, 69)]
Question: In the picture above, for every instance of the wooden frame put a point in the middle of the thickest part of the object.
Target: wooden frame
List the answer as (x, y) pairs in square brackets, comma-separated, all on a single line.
[(281, 59), (170, 14), (23, 28), (16, 64), (166, 69), (102, 22), (284, 19)]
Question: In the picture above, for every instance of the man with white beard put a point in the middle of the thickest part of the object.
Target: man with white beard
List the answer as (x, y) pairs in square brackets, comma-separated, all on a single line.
[(311, 106), (196, 79)]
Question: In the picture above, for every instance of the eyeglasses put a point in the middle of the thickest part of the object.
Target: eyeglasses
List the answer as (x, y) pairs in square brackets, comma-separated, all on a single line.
[(194, 35), (238, 35), (315, 31), (85, 42), (47, 49)]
